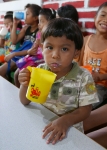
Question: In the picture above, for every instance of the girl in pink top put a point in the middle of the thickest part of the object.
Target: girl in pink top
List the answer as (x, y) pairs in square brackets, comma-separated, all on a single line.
[(34, 56), (94, 53)]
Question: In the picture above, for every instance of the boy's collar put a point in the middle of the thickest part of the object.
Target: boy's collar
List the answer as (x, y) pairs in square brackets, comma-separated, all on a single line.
[(73, 72)]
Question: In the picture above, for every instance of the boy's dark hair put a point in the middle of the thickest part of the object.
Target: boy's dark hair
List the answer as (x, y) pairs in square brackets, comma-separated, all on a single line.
[(48, 13), (68, 11), (35, 9), (101, 6), (64, 27)]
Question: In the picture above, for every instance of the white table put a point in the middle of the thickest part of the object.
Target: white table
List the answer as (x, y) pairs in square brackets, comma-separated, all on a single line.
[(21, 127)]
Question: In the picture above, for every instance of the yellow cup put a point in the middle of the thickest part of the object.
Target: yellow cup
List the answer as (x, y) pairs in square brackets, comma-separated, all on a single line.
[(40, 84)]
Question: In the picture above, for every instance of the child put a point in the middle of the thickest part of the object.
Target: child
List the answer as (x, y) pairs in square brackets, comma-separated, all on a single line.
[(97, 124), (68, 11), (34, 56), (94, 53), (73, 92), (29, 34), (5, 42)]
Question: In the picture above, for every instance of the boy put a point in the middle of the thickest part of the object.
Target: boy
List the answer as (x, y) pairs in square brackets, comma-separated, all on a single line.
[(74, 91)]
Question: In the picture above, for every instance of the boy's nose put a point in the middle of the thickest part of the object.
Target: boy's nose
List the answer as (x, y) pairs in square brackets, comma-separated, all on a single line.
[(55, 55)]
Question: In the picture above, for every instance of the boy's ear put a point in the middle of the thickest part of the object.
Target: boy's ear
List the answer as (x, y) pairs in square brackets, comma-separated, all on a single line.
[(77, 54)]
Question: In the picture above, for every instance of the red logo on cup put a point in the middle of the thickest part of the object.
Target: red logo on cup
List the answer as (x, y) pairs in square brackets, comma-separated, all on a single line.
[(35, 93)]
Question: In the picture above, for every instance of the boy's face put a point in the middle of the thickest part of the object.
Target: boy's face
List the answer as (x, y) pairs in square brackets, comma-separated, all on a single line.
[(42, 22), (58, 54)]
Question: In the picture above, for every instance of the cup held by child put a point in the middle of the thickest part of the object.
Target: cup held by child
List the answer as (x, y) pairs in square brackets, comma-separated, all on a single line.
[(40, 84), (21, 15), (3, 32)]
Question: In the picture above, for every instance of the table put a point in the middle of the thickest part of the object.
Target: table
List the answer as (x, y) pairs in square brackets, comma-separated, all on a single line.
[(21, 126)]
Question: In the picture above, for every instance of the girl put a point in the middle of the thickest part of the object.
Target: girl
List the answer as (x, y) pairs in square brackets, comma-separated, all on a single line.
[(28, 33), (34, 56), (94, 53), (5, 42)]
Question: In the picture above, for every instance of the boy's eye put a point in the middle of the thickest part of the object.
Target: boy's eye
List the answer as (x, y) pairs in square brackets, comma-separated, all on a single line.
[(49, 47), (64, 49), (102, 15)]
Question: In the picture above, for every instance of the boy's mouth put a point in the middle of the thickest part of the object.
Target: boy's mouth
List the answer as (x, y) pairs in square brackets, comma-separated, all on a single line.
[(55, 65)]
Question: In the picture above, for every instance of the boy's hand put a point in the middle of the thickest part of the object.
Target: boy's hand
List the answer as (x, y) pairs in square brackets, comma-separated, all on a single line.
[(96, 76), (9, 57), (57, 130), (24, 77)]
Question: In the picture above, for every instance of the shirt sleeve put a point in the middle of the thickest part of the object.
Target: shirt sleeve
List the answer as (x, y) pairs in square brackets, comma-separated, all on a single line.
[(88, 93)]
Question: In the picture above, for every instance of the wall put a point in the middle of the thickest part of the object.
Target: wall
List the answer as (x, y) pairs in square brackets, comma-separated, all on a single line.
[(86, 9)]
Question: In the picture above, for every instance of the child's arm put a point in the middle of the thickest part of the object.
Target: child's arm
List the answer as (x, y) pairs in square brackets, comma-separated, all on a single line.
[(11, 55), (96, 118), (14, 36), (59, 127)]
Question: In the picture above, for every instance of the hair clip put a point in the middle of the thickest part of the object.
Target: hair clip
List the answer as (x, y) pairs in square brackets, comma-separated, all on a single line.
[(52, 10)]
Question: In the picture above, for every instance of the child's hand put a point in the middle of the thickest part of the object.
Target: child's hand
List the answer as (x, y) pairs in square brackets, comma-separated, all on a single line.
[(32, 51), (16, 21), (24, 77), (96, 76), (57, 130), (10, 25), (9, 57)]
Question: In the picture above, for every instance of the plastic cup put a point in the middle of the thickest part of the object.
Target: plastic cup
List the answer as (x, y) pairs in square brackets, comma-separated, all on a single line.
[(2, 59), (40, 84), (21, 15), (88, 67), (3, 32)]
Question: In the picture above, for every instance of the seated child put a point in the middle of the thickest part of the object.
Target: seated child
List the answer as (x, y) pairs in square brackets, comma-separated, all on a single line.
[(94, 54), (28, 32), (5, 42), (35, 56), (73, 91)]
